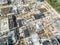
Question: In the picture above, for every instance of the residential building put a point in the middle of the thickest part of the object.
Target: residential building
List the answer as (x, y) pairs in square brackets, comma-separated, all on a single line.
[(4, 25), (8, 28)]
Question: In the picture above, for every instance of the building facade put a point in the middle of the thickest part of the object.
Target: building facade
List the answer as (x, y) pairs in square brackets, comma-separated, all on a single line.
[(9, 30)]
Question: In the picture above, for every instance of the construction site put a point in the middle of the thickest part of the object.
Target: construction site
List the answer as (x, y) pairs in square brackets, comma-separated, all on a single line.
[(28, 22)]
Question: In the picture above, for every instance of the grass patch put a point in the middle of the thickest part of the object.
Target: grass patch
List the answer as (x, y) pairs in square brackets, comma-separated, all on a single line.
[(54, 4)]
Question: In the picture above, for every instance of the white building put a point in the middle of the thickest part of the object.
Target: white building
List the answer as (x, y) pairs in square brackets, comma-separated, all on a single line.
[(39, 26), (4, 29), (3, 1), (35, 39), (4, 26)]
